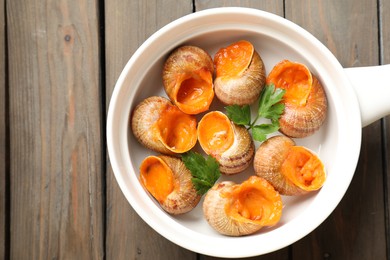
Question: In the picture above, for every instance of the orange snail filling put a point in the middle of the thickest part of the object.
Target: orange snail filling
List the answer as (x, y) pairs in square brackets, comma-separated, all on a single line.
[(304, 169), (177, 129), (234, 59), (195, 93), (157, 178), (295, 78), (255, 200), (215, 133)]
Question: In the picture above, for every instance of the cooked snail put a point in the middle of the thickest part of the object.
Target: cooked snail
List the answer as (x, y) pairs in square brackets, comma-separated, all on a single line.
[(242, 209), (188, 79), (305, 99), (162, 127), (240, 74), (291, 169), (168, 180), (231, 145)]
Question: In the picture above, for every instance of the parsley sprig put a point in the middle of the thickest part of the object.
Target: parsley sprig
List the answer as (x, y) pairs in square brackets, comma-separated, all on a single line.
[(269, 107), (205, 171)]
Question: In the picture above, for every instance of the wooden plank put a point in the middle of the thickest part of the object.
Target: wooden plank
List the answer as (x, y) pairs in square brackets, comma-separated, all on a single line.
[(3, 138), (55, 126), (271, 6), (355, 230), (384, 9), (128, 236)]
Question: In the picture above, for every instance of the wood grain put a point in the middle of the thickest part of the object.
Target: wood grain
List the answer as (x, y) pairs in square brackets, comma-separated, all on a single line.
[(128, 236), (56, 171), (3, 138), (384, 6), (59, 61), (355, 230), (271, 6)]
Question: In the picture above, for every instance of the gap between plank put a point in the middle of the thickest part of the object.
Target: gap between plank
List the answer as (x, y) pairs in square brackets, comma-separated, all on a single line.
[(384, 136), (102, 84), (385, 183)]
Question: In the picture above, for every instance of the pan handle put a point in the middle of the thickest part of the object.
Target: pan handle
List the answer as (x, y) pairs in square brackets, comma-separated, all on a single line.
[(372, 87)]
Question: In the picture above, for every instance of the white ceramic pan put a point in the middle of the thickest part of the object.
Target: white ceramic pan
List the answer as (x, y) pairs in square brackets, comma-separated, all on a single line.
[(353, 102)]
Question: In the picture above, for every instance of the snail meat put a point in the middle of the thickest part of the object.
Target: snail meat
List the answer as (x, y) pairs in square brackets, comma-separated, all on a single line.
[(242, 209), (240, 74), (305, 99), (291, 169), (168, 180), (231, 145), (162, 127), (188, 79)]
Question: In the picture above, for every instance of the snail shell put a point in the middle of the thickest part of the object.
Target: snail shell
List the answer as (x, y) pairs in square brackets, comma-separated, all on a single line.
[(291, 169), (238, 84), (168, 180), (231, 145), (242, 209), (188, 79), (162, 127), (305, 99)]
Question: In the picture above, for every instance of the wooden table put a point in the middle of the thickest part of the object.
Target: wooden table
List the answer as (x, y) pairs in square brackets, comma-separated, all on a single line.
[(59, 61)]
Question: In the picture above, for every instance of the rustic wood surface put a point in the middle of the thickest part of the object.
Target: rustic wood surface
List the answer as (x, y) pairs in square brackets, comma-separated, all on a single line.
[(385, 59), (3, 137), (59, 61), (55, 121)]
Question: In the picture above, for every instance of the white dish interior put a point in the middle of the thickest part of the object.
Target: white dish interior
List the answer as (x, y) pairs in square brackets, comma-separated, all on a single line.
[(337, 143)]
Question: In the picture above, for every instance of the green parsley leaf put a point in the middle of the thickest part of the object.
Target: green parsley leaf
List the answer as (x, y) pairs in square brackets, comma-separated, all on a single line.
[(201, 186), (239, 115), (274, 112), (269, 108), (260, 132), (205, 171)]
